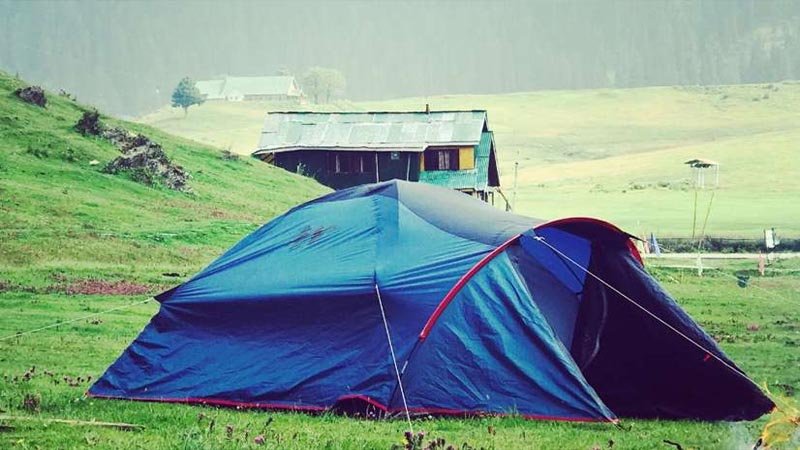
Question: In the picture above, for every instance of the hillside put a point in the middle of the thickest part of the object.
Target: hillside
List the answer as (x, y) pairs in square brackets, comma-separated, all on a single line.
[(616, 154), (61, 216), (85, 250)]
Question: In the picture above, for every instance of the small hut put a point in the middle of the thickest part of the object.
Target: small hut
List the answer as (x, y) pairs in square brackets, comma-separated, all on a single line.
[(699, 167)]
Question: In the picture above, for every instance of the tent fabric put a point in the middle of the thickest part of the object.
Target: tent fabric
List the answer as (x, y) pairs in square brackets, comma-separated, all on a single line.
[(451, 366), (483, 316)]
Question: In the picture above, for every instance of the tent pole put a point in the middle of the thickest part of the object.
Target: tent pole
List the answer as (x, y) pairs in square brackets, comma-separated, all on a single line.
[(394, 359)]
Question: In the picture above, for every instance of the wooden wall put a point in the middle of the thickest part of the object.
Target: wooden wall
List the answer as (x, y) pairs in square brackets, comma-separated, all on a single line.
[(316, 164)]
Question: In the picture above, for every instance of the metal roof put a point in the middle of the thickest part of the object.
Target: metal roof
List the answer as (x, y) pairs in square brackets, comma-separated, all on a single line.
[(390, 131), (477, 178), (210, 89), (240, 86), (701, 163)]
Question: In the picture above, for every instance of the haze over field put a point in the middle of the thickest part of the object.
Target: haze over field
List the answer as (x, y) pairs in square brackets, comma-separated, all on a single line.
[(122, 178), (125, 57), (611, 153)]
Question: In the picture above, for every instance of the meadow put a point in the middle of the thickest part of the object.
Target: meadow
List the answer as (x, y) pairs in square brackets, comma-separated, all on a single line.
[(757, 326), (617, 154), (75, 242)]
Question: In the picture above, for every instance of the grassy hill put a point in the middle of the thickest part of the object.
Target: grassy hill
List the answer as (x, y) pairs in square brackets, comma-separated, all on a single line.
[(75, 241), (615, 154), (57, 211)]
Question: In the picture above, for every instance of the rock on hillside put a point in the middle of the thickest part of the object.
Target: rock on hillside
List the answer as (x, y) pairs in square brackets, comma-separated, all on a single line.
[(143, 159), (33, 95)]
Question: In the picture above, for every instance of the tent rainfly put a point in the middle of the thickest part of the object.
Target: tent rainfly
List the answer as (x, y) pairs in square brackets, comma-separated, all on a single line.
[(488, 312)]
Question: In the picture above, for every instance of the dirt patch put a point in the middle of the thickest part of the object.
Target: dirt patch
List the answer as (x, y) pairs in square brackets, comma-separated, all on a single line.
[(142, 159), (7, 286), (33, 95), (101, 287)]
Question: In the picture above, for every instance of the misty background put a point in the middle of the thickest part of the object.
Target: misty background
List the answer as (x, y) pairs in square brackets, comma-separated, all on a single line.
[(126, 57)]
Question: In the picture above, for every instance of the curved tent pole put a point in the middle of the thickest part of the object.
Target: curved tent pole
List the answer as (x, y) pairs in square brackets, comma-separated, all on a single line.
[(451, 294), (601, 223), (502, 247), (448, 298)]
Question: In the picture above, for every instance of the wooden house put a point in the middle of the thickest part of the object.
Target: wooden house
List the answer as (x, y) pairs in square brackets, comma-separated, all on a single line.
[(453, 149)]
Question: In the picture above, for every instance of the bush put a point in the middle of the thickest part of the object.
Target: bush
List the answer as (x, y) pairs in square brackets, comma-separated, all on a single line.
[(38, 152), (89, 124), (69, 155)]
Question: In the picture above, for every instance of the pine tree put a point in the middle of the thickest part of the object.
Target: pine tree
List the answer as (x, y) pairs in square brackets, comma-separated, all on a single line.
[(186, 94)]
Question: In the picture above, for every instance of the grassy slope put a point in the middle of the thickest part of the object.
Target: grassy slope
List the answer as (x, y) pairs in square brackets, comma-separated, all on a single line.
[(57, 211), (64, 220), (616, 154)]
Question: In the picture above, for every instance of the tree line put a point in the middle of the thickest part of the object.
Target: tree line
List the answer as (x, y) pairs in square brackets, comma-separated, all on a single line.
[(320, 84), (396, 49)]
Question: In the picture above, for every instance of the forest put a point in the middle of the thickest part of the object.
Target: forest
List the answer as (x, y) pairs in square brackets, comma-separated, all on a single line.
[(126, 57)]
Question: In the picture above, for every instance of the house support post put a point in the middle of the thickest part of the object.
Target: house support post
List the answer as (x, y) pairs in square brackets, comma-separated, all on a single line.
[(377, 174)]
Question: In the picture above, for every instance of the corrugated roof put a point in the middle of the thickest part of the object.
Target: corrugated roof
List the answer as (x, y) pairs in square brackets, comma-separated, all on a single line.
[(482, 154), (409, 131), (451, 179), (278, 85), (477, 178), (701, 163), (241, 86)]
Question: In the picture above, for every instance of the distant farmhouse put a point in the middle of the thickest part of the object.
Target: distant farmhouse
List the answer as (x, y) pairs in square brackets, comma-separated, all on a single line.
[(237, 89), (453, 149)]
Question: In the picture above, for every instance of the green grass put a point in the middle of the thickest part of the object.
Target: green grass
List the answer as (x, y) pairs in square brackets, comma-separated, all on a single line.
[(60, 214), (615, 154), (770, 355), (63, 222)]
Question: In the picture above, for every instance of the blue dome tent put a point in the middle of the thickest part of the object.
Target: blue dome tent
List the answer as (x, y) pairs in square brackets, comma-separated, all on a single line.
[(486, 311)]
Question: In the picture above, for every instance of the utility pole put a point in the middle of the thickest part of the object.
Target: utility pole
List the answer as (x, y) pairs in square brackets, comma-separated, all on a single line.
[(514, 191)]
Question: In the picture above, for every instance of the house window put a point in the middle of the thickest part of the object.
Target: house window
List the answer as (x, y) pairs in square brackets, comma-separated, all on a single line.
[(441, 159), (349, 162)]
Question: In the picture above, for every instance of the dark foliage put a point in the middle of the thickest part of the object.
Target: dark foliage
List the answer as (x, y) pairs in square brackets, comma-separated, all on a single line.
[(33, 95), (89, 124)]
